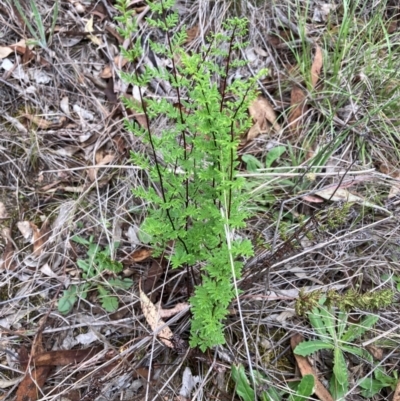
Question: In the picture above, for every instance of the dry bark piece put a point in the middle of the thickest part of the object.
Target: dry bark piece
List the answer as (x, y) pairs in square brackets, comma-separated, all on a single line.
[(306, 369)]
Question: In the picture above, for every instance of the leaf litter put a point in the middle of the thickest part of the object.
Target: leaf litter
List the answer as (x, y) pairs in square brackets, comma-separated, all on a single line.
[(61, 140)]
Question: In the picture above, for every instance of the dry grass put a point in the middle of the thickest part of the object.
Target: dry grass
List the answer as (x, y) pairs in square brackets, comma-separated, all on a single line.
[(349, 135)]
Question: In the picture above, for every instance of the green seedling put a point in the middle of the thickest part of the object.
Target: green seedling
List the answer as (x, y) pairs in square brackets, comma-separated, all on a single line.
[(38, 31), (373, 385), (98, 263), (337, 335), (301, 391), (394, 279)]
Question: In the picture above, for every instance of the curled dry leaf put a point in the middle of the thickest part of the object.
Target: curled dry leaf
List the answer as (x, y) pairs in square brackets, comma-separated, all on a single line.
[(119, 62), (101, 160), (40, 238), (298, 108), (152, 315), (396, 395), (316, 66), (264, 117), (306, 369), (376, 352), (5, 51), (192, 33), (298, 96)]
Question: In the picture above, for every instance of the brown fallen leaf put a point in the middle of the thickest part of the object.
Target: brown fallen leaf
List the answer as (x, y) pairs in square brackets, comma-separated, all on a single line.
[(264, 118), (40, 237), (155, 272), (45, 124), (396, 394), (101, 160), (5, 51), (376, 352), (192, 33), (119, 61), (298, 95), (298, 108), (306, 369), (316, 66), (152, 315), (30, 387), (62, 357)]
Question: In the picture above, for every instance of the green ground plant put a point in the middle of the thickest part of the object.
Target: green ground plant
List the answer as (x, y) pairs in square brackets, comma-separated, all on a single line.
[(300, 391), (98, 263), (337, 334), (195, 199), (38, 31), (373, 385)]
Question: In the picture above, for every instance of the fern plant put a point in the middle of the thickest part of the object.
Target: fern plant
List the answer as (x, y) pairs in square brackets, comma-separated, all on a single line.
[(196, 196)]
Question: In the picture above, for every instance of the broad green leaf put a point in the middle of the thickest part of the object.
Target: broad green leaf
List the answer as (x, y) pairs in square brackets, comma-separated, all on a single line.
[(243, 388), (271, 395), (305, 389), (252, 163), (357, 330), (337, 390), (68, 300), (340, 368), (84, 265), (306, 348), (370, 387), (109, 303), (341, 323), (274, 154), (318, 324), (386, 380), (124, 284), (102, 291), (329, 321), (80, 240)]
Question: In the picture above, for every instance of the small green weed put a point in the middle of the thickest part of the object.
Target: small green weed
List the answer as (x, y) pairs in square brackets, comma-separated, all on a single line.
[(38, 31), (97, 264), (372, 386), (395, 279), (302, 390), (336, 334)]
